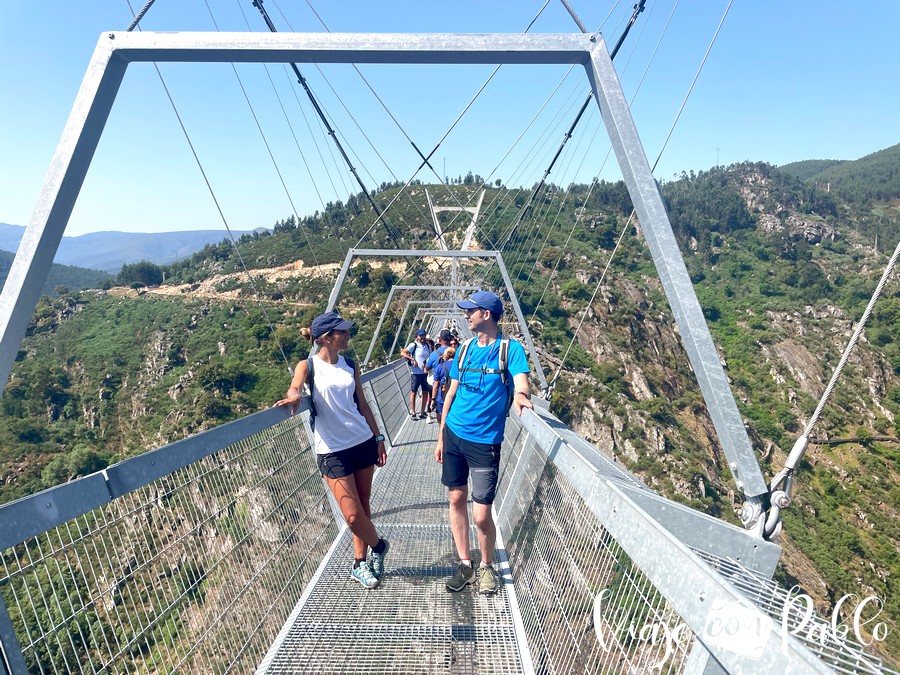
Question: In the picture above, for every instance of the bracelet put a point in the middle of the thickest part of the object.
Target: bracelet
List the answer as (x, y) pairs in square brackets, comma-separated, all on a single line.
[(379, 438), (525, 393)]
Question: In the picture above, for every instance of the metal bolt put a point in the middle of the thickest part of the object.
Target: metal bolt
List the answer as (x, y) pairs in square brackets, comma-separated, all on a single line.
[(112, 36), (702, 596)]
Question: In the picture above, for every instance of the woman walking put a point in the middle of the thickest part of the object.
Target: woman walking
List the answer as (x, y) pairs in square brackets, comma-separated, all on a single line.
[(347, 442)]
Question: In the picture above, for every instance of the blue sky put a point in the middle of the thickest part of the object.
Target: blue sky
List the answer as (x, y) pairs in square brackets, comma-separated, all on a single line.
[(783, 82)]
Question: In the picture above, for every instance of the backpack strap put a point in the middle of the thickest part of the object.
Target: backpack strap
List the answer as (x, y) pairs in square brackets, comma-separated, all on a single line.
[(461, 354), (312, 399), (504, 359), (311, 380)]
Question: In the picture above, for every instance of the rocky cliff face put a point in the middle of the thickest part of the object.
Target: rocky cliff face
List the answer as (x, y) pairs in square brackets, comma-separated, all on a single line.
[(640, 402)]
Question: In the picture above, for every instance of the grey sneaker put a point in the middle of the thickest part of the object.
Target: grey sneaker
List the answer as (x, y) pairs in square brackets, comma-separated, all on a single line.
[(488, 580), (363, 574), (465, 575), (378, 560)]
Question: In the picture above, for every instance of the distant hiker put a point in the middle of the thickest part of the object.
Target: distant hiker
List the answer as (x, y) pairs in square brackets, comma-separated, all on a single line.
[(441, 382), (417, 353), (347, 442), (444, 341), (488, 373)]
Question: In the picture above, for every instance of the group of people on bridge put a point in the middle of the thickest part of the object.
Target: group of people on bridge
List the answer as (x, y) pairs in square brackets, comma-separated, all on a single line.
[(474, 385)]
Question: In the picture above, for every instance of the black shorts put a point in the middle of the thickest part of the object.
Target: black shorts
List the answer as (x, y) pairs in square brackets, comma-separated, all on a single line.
[(345, 462), (418, 381), (460, 455)]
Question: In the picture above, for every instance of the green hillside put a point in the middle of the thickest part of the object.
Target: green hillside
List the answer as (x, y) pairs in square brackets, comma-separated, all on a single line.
[(61, 278), (809, 168), (875, 177)]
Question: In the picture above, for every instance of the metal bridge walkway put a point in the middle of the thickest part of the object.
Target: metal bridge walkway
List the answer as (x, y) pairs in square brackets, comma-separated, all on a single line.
[(410, 623)]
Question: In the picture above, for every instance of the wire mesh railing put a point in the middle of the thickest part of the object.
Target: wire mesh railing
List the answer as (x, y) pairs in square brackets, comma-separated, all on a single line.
[(595, 595), (193, 571)]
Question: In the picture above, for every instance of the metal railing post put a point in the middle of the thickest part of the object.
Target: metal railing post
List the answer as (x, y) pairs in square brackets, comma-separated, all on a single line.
[(11, 658)]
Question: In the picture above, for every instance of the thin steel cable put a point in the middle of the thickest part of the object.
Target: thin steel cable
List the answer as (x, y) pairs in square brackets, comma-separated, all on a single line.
[(693, 82), (449, 130), (609, 151), (591, 301), (219, 209), (800, 447), (287, 192), (574, 16), (139, 15), (392, 231), (222, 216), (393, 117)]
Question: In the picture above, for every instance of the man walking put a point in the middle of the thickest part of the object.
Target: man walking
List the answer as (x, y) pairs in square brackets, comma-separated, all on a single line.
[(417, 354), (475, 409), (431, 364)]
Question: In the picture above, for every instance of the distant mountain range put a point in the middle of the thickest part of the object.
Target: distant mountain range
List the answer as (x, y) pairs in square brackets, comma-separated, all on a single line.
[(108, 251)]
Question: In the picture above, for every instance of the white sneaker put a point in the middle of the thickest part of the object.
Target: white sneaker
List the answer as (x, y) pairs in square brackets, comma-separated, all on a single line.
[(431, 420)]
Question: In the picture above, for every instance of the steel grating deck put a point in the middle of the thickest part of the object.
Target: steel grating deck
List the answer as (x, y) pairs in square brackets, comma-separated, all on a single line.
[(410, 623)]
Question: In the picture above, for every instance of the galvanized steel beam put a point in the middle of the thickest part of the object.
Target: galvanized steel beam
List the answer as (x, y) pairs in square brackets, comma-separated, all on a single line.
[(420, 253), (387, 304), (673, 274)]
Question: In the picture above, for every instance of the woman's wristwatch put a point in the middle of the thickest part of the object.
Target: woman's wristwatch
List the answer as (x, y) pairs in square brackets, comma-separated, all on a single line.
[(379, 438)]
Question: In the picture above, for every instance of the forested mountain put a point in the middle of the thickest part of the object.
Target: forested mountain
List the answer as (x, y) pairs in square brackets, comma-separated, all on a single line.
[(873, 178), (108, 251), (783, 268), (61, 278)]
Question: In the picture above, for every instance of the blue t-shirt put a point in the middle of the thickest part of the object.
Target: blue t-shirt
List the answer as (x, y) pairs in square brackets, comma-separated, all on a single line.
[(435, 357), (478, 413), (441, 373)]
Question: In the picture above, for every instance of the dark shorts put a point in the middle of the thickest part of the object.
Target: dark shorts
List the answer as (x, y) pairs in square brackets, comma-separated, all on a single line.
[(345, 462), (417, 382), (461, 456)]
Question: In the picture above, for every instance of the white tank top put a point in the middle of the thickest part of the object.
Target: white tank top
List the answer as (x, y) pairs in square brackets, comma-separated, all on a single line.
[(339, 424)]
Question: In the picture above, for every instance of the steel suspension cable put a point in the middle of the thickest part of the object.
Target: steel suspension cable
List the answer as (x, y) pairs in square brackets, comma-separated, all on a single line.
[(638, 8), (782, 483), (392, 232), (691, 88), (590, 302), (453, 125), (559, 212), (218, 206), (562, 204), (265, 141), (535, 233), (426, 160), (608, 153), (139, 15)]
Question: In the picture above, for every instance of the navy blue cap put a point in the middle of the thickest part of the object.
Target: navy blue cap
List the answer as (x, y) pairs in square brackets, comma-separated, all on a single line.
[(483, 300), (329, 321), (422, 332)]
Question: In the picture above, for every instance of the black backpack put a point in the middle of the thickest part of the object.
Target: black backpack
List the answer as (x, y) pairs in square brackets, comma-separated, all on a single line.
[(312, 400)]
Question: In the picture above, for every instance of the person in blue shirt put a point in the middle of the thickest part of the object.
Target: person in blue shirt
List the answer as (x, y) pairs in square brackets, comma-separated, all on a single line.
[(475, 409), (441, 381), (437, 356)]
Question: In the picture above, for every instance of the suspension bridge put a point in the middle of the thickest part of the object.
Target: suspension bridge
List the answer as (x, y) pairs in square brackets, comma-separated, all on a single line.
[(223, 552)]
